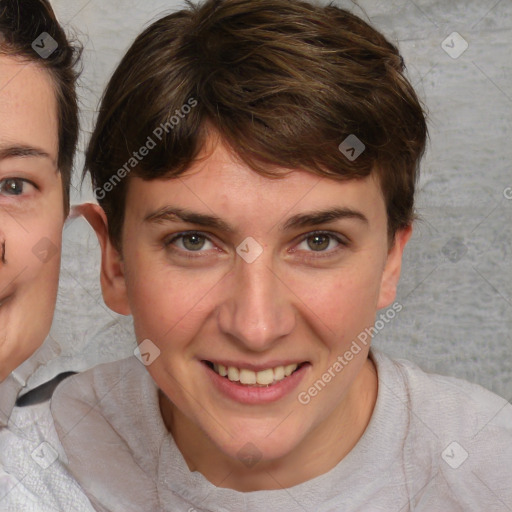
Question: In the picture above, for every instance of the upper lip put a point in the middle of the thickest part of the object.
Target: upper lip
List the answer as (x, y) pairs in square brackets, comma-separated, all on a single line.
[(254, 367)]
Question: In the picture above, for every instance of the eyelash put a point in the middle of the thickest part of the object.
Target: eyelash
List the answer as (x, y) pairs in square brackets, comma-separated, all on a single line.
[(343, 243)]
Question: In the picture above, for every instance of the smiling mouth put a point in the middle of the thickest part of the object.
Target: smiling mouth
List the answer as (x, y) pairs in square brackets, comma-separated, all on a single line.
[(246, 377)]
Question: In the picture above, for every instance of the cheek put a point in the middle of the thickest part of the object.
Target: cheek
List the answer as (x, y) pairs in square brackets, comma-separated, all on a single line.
[(33, 235), (33, 252), (31, 273), (167, 303), (343, 300), (39, 253)]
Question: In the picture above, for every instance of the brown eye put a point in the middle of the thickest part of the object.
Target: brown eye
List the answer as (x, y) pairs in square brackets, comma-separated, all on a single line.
[(318, 242)]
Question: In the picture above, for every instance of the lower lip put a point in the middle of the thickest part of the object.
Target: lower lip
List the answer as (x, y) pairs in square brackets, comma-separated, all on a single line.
[(256, 394)]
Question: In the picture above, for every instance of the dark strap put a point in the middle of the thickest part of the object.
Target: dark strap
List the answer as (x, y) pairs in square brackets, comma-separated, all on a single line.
[(43, 392)]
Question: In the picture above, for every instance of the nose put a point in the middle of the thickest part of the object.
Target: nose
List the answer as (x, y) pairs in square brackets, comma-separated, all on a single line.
[(258, 309)]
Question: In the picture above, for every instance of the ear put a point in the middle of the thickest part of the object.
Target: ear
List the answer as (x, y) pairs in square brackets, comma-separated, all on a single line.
[(391, 273), (112, 278)]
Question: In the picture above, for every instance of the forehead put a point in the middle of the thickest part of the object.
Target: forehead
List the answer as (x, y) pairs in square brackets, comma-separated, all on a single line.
[(28, 106), (218, 182), (218, 162)]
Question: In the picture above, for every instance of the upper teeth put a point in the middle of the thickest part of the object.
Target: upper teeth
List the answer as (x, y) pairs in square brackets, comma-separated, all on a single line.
[(264, 377)]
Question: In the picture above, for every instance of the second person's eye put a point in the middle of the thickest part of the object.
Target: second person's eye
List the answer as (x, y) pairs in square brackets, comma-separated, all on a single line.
[(14, 186)]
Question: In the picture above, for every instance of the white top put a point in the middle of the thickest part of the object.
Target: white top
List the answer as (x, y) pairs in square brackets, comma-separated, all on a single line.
[(433, 444), (32, 476)]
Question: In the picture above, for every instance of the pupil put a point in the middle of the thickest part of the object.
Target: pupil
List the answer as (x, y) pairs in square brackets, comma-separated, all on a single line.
[(193, 242), (318, 242)]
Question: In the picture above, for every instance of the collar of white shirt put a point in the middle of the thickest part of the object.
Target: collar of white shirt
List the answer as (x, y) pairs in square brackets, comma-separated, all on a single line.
[(10, 388)]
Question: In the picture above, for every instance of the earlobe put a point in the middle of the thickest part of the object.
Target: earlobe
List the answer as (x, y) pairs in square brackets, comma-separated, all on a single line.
[(112, 278), (391, 273)]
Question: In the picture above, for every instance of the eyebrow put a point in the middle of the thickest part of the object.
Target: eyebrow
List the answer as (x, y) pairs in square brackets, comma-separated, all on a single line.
[(301, 220), (23, 151)]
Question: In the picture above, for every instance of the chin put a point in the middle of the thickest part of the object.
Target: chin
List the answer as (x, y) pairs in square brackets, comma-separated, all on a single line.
[(250, 445)]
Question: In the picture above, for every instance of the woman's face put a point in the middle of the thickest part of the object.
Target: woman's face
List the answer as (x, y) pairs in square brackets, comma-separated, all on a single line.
[(31, 209)]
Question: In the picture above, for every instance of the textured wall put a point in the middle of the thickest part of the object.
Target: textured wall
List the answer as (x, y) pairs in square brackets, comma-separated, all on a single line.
[(456, 288)]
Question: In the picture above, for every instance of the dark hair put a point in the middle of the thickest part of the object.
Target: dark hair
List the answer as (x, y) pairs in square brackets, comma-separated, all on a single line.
[(22, 22), (283, 82)]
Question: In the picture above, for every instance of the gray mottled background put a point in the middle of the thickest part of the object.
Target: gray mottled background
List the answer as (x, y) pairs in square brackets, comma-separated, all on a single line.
[(456, 288)]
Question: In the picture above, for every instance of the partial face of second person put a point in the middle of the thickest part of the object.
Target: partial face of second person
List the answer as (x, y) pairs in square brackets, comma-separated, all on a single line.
[(303, 300), (31, 209)]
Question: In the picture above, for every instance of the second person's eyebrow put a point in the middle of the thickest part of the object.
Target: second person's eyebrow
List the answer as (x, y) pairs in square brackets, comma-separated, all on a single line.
[(306, 219), (22, 151)]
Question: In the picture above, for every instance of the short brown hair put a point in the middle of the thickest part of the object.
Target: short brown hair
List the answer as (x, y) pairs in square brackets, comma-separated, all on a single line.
[(21, 23), (282, 82)]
